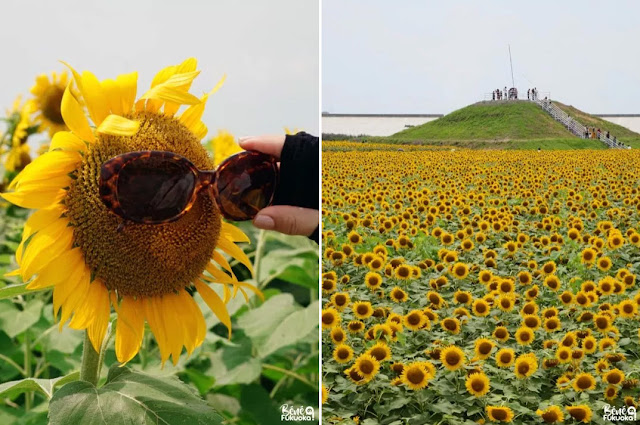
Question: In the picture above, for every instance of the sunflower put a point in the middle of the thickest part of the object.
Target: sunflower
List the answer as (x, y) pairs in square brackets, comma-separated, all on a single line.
[(480, 307), (380, 351), (613, 377), (552, 324), (342, 353), (499, 413), (337, 335), (589, 344), (524, 336), (604, 263), (505, 357), (340, 300), (580, 413), (143, 271), (415, 320), (563, 354), (398, 295), (325, 394), (584, 382), (610, 393), (452, 357), (355, 326), (48, 94), (373, 281), (330, 318), (628, 309), (451, 325), (223, 146), (483, 348), (477, 384), (501, 334), (460, 270), (366, 366), (362, 309), (353, 376), (548, 268), (525, 365), (602, 322), (415, 376), (588, 256), (551, 414)]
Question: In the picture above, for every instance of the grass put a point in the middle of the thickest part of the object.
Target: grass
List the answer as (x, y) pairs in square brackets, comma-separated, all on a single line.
[(490, 121), (592, 121)]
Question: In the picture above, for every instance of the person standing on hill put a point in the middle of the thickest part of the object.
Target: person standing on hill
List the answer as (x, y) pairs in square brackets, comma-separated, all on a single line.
[(506, 93), (528, 91)]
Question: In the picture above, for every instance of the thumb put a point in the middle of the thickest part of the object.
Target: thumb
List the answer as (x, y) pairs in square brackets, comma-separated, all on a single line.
[(287, 219)]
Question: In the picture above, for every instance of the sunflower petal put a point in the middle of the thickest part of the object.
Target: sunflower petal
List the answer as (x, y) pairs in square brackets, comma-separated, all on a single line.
[(114, 97), (128, 89), (153, 313), (218, 275), (77, 291), (102, 313), (118, 126), (56, 272), (171, 94), (193, 320), (129, 329), (67, 141), (233, 233), (50, 164), (38, 220), (45, 246), (214, 302), (219, 258), (174, 325), (76, 76), (95, 97), (74, 117), (64, 288), (234, 251)]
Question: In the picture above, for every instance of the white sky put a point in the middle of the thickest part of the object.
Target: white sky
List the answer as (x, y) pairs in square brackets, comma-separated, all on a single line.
[(268, 49), (437, 56)]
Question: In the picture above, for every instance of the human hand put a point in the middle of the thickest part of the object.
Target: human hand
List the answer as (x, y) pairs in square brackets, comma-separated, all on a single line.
[(287, 219)]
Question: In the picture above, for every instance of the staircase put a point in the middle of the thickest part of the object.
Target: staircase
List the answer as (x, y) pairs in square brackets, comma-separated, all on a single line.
[(574, 126)]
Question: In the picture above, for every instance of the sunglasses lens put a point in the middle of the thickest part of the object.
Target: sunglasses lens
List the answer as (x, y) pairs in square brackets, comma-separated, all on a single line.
[(246, 183), (154, 189)]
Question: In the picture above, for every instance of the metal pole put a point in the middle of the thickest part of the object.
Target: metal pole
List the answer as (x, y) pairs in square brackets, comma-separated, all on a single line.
[(513, 84)]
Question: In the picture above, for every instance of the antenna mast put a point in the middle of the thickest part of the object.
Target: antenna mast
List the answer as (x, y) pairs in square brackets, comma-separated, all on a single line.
[(513, 84)]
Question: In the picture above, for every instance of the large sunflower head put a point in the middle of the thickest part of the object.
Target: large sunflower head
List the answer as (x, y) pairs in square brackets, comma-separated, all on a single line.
[(48, 93), (146, 272)]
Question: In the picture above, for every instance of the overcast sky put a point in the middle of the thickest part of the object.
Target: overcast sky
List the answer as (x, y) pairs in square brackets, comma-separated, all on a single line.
[(436, 56), (268, 49)]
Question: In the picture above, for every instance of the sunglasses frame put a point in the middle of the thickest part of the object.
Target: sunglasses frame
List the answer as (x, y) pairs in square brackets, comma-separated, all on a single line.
[(110, 169)]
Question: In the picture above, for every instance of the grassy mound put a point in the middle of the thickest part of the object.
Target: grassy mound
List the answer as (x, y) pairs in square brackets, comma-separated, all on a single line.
[(497, 121)]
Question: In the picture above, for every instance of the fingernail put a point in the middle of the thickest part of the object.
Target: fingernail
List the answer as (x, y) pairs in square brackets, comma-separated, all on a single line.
[(264, 222), (244, 139)]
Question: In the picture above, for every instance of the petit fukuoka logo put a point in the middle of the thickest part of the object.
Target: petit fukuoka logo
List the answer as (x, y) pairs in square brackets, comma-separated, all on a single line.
[(296, 414), (624, 413)]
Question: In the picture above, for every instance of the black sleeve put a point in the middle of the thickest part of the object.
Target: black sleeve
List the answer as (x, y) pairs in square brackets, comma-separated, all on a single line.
[(300, 174)]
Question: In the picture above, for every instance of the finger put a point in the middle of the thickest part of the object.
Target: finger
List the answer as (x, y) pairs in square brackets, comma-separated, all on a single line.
[(271, 145), (287, 219)]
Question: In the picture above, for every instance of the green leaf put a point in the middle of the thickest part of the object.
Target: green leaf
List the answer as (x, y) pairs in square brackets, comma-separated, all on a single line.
[(299, 266), (260, 322), (43, 386), (257, 405), (14, 321), (293, 328), (130, 398)]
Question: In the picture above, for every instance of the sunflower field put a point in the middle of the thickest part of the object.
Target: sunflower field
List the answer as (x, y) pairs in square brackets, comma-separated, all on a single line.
[(199, 320), (471, 287)]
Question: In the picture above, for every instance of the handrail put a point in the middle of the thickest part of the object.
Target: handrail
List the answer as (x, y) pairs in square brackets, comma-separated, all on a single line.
[(574, 126)]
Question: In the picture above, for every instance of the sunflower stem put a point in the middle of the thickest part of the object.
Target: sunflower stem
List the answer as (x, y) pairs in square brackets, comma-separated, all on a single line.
[(27, 369), (90, 362), (258, 256)]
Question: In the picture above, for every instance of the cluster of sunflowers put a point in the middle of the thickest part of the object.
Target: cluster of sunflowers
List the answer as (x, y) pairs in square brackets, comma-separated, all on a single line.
[(480, 286), (72, 242), (364, 146)]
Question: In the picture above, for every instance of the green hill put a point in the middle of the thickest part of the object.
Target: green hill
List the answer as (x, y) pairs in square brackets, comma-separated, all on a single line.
[(496, 120)]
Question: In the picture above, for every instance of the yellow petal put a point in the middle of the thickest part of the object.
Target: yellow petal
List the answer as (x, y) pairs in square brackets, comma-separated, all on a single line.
[(77, 290), (128, 84), (233, 233), (171, 94), (67, 141), (95, 97), (37, 221), (76, 76), (173, 325), (58, 271), (153, 313), (219, 258), (234, 251), (192, 320), (129, 329), (62, 290), (74, 117), (45, 246), (50, 164), (250, 287), (102, 314), (214, 302), (118, 126), (112, 92), (35, 199), (218, 275)]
